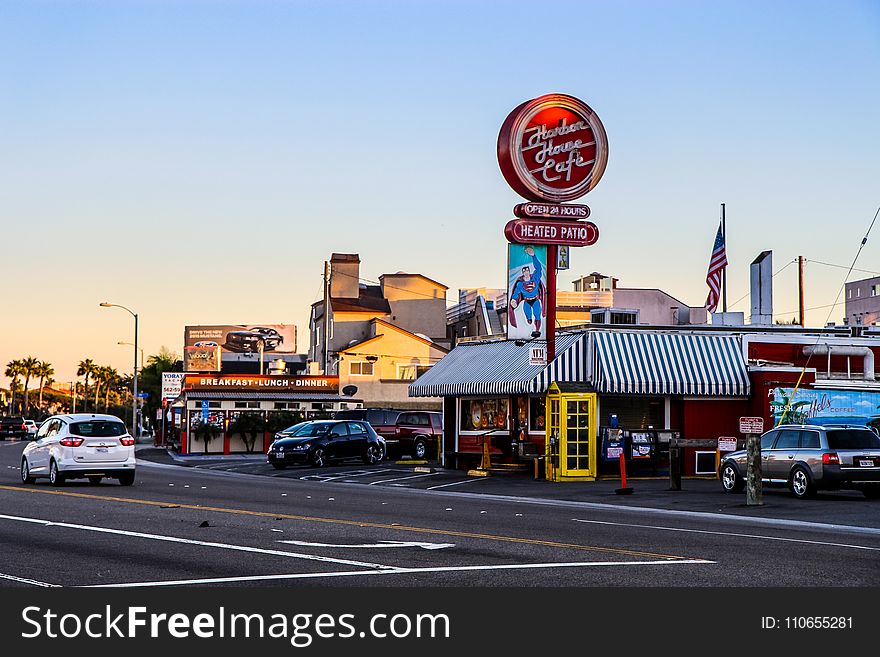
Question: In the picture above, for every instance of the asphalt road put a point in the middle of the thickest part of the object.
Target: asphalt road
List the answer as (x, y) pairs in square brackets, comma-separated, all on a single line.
[(352, 526)]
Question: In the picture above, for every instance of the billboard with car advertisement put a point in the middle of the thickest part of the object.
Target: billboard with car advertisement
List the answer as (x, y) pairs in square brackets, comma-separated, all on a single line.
[(242, 341)]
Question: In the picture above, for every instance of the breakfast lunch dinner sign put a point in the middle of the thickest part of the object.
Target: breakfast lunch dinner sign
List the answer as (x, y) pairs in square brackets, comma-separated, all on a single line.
[(551, 149)]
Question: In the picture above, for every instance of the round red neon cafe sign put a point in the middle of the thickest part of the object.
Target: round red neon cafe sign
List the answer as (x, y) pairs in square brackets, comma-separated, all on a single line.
[(552, 148)]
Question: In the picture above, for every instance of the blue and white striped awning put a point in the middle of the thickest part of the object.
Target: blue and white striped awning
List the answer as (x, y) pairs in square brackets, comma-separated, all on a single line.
[(669, 364), (495, 368)]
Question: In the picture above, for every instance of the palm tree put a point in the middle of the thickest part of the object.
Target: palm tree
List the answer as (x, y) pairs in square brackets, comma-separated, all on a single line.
[(29, 365), (44, 371), (110, 377), (86, 368), (14, 369)]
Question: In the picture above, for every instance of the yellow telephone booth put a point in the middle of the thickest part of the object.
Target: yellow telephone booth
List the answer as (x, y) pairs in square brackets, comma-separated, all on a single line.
[(571, 435)]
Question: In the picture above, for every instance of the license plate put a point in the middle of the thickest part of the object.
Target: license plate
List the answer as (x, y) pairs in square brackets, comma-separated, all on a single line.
[(866, 463), (101, 449)]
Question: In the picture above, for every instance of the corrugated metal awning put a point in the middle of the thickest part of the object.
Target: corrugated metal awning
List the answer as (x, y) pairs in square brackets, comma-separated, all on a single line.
[(670, 364), (493, 368)]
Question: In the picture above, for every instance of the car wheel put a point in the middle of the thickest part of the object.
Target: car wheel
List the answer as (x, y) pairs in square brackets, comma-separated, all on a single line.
[(871, 492), (420, 448), (731, 482), (373, 454), (55, 477), (801, 484), (95, 480), (26, 473), (319, 459), (126, 479), (279, 466)]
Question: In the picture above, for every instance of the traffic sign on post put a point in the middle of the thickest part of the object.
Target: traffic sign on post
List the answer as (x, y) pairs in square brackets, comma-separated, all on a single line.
[(205, 410), (754, 425)]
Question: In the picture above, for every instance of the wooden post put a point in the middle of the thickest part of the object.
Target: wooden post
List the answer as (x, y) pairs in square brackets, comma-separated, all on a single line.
[(801, 291), (675, 467), (754, 496)]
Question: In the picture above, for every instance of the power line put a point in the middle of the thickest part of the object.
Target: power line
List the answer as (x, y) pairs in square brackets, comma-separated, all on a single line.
[(778, 271), (828, 264)]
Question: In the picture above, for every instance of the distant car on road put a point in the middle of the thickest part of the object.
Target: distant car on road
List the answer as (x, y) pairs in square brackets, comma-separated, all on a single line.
[(13, 427), (81, 446), (807, 458), (31, 427), (321, 441)]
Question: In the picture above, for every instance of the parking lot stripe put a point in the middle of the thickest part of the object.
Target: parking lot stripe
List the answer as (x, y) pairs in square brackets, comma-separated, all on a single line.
[(405, 571), (385, 481), (25, 580), (734, 534), (350, 523), (189, 541), (456, 483)]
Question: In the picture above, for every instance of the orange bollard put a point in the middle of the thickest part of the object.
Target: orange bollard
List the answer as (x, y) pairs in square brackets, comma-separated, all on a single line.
[(624, 489)]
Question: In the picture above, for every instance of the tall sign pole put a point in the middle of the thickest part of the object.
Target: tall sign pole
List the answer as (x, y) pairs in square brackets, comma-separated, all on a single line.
[(551, 149)]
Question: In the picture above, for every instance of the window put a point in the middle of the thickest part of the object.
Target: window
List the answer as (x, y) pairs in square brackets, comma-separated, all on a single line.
[(788, 439), (287, 405), (809, 440), (483, 414), (360, 368), (537, 413), (247, 404), (339, 430), (411, 372), (849, 294), (853, 439), (355, 428), (624, 318), (768, 439), (875, 290), (98, 429)]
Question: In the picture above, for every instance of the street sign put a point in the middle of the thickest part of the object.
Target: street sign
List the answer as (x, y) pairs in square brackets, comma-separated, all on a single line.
[(551, 231), (143, 395), (158, 413), (753, 425), (205, 410), (726, 444), (551, 211), (562, 257)]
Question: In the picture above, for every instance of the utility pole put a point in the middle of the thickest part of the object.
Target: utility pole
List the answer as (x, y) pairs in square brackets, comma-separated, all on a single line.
[(73, 394), (326, 318), (801, 290)]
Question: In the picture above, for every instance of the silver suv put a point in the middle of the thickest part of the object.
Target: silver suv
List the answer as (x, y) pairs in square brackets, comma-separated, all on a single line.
[(807, 458)]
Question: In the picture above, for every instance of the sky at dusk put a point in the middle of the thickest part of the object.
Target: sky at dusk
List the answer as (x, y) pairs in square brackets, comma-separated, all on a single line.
[(198, 161)]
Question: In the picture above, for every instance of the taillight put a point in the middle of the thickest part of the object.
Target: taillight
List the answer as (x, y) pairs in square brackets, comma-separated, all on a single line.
[(830, 459), (127, 441), (24, 427), (72, 442)]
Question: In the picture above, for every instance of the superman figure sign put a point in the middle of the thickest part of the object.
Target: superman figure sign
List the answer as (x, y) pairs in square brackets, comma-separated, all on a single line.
[(526, 292)]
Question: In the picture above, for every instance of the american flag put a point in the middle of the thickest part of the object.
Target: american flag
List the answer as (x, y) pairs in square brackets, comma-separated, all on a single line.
[(717, 263)]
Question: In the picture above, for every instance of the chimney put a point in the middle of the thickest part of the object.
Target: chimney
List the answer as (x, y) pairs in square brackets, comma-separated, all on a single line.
[(345, 271), (762, 289)]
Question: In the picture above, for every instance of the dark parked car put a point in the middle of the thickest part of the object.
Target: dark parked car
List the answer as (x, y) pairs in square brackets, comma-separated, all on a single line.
[(383, 420), (807, 458), (13, 427), (321, 441)]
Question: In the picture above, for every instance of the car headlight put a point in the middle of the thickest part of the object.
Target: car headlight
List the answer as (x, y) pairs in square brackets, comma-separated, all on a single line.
[(301, 447)]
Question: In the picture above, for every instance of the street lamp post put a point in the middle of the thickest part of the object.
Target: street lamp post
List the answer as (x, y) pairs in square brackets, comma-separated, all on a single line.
[(129, 344), (134, 401)]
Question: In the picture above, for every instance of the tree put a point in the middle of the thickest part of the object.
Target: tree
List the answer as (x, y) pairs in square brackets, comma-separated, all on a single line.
[(14, 370), (111, 377), (44, 371), (29, 366), (205, 431), (86, 368), (250, 426)]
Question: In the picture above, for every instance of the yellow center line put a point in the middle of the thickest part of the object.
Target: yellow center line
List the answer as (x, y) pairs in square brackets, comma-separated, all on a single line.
[(354, 523)]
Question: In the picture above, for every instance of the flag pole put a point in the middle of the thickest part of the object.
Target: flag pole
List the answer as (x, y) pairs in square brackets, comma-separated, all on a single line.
[(724, 271)]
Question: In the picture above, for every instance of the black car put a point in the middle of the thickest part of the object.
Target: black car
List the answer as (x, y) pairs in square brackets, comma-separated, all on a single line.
[(321, 441), (13, 427), (243, 342), (272, 339)]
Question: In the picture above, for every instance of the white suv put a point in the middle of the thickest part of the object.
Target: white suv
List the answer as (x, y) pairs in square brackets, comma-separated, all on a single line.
[(79, 446)]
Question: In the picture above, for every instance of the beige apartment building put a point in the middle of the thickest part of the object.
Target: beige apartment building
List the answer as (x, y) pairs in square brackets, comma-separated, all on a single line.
[(378, 337)]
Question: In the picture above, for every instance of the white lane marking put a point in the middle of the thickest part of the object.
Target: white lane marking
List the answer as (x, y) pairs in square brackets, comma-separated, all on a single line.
[(715, 533), (385, 481), (381, 544), (456, 483), (25, 580), (403, 571), (189, 541), (357, 473)]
